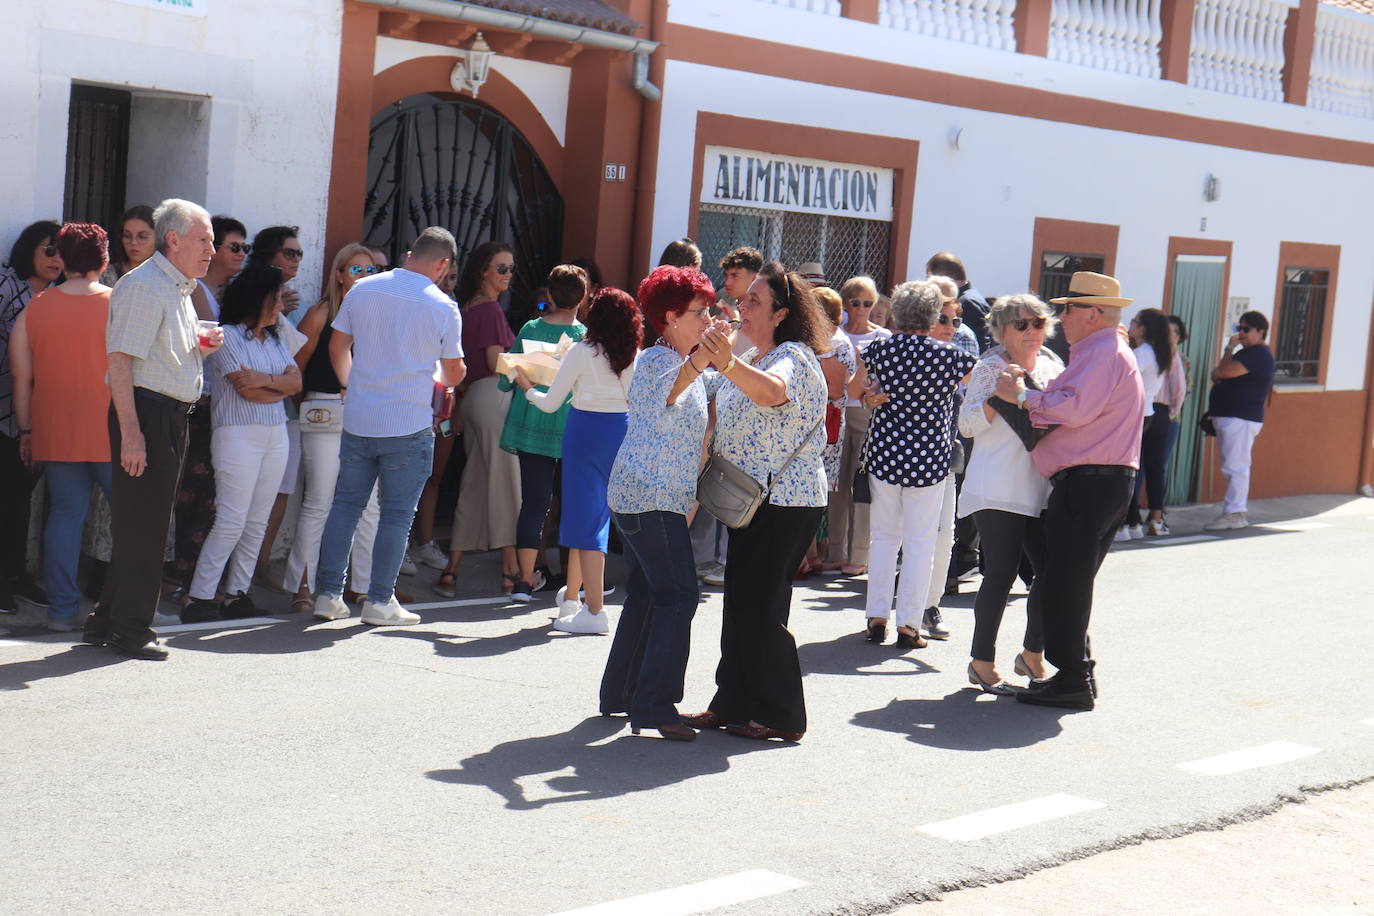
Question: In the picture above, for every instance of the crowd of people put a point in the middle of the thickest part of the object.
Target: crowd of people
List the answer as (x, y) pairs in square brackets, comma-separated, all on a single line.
[(152, 377)]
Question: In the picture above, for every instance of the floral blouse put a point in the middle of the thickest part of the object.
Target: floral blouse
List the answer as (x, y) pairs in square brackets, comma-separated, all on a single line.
[(656, 467), (760, 439), (910, 436)]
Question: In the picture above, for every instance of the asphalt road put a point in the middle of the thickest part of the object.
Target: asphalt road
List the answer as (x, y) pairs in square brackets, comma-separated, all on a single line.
[(459, 766)]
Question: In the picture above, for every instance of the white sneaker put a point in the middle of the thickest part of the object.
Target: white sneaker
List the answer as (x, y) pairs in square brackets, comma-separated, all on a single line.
[(1137, 532), (715, 575), (1123, 533), (562, 594), (390, 614), (1157, 528), (1228, 521), (429, 555), (408, 567), (568, 608), (583, 621), (330, 607)]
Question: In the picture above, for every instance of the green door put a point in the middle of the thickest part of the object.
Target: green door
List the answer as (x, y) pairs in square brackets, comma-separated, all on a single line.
[(1197, 298)]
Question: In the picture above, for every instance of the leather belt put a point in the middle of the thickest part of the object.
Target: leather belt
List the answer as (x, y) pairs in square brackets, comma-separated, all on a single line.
[(1094, 470), (158, 397)]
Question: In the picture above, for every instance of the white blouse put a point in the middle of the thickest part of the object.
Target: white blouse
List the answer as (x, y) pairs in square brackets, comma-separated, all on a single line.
[(1150, 376), (1000, 474), (586, 374)]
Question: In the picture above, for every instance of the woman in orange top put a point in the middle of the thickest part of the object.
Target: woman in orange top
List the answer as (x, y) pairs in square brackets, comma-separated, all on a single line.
[(62, 404)]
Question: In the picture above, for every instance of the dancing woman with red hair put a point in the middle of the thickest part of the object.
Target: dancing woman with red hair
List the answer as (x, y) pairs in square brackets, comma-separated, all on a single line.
[(596, 374)]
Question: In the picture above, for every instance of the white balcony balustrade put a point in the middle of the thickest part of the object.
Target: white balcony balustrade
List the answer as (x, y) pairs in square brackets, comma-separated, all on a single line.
[(1118, 35), (1238, 47), (986, 23), (1342, 77)]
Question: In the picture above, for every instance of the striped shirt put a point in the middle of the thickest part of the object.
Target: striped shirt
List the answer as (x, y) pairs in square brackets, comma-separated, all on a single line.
[(402, 324), (242, 348), (152, 320)]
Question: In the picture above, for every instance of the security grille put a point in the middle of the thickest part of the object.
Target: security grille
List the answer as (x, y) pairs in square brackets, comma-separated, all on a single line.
[(1302, 317), (1058, 267), (97, 155), (844, 247)]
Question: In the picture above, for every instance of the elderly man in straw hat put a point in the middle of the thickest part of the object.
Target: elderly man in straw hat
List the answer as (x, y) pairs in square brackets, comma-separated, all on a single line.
[(1092, 456)]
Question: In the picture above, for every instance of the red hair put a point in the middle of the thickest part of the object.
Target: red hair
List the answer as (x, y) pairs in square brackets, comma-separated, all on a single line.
[(613, 323), (84, 247), (670, 291)]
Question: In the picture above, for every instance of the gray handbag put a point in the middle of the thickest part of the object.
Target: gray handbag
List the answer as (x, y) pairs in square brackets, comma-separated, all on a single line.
[(731, 495)]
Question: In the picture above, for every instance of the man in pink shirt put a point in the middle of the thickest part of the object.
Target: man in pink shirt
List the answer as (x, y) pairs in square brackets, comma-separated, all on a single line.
[(1092, 455)]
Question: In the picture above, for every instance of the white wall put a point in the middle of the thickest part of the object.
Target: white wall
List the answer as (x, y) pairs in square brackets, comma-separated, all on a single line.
[(981, 200), (268, 69)]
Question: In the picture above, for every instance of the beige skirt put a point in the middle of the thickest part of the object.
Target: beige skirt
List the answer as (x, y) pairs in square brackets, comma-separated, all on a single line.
[(489, 496)]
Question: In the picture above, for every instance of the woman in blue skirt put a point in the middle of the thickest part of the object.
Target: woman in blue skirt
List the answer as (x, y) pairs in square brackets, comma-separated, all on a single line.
[(597, 374)]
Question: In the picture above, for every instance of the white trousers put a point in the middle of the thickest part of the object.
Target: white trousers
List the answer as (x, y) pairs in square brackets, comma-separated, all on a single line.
[(902, 519), (320, 457), (249, 461), (944, 544), (1236, 437)]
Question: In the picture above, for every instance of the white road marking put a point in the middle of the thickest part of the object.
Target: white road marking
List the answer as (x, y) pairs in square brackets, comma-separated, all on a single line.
[(696, 898), (220, 625), (464, 602), (1181, 539), (1009, 817), (1250, 758), (11, 643), (1293, 526)]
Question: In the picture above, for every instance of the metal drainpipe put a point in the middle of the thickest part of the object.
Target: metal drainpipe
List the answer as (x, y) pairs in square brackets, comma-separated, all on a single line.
[(545, 28), (1366, 481)]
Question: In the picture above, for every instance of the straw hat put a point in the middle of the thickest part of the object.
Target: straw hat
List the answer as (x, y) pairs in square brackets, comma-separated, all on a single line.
[(812, 273), (1088, 288)]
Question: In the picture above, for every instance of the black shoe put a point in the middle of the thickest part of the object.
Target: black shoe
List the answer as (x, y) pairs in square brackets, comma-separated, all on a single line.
[(28, 589), (951, 587), (934, 624), (148, 653), (242, 606), (200, 611), (94, 638), (523, 592), (907, 641), (1055, 692)]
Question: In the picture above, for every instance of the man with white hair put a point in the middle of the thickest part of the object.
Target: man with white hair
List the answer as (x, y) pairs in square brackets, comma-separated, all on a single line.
[(1092, 456), (156, 351)]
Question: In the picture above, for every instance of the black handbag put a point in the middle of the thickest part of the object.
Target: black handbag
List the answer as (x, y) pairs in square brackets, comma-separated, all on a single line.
[(1205, 424), (1019, 420)]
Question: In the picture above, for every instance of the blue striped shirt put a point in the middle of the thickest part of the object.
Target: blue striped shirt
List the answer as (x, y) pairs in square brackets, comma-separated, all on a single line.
[(242, 348), (402, 325)]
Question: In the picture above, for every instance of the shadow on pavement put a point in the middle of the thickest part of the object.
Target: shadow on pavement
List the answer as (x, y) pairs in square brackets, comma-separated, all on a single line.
[(959, 722), (288, 637), (448, 646), (851, 654), (600, 770), (78, 658)]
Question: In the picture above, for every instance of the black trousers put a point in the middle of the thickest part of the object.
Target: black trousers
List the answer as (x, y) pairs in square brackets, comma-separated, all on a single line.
[(538, 481), (1148, 431), (16, 488), (140, 515), (1007, 538), (1080, 523), (759, 676)]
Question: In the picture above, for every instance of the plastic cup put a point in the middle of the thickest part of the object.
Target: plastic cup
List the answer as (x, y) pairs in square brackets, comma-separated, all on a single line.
[(205, 331)]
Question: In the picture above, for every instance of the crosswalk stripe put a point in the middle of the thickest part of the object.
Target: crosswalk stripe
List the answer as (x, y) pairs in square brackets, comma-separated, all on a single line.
[(1181, 539), (1250, 758), (219, 625), (1009, 817), (696, 898), (1293, 526)]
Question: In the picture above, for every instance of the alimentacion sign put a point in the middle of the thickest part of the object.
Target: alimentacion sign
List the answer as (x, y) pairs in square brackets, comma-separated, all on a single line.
[(737, 177)]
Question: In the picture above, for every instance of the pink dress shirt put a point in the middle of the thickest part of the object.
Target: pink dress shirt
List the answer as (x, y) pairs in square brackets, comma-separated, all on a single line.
[(1098, 403)]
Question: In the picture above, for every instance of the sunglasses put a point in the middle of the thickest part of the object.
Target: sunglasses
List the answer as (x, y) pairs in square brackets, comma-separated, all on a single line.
[(240, 247), (504, 269), (1022, 323), (294, 254), (1243, 329), (1080, 305), (357, 270), (50, 251), (861, 303), (951, 319)]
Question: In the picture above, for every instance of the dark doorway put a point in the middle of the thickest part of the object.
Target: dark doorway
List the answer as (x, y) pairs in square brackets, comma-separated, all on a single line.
[(441, 161), (97, 155)]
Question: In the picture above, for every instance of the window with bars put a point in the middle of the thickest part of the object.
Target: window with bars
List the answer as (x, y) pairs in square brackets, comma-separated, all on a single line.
[(1058, 267), (97, 155), (844, 247), (1302, 320)]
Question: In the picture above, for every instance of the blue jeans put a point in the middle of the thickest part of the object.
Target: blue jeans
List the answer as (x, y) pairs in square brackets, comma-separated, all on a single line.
[(648, 659), (69, 491), (399, 466)]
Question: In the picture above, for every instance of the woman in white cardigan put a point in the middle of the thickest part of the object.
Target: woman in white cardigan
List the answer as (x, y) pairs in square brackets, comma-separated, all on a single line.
[(1002, 489), (596, 373)]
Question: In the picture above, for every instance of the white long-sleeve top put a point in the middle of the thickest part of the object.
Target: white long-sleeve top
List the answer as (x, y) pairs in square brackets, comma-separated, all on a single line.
[(586, 374), (1150, 376), (1000, 474)]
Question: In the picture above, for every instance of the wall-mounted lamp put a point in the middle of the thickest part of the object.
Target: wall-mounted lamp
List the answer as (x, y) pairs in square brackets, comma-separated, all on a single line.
[(1211, 189), (472, 69), (955, 137)]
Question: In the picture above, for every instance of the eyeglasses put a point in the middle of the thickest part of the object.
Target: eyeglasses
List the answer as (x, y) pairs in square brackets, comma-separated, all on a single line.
[(358, 270), (701, 311), (951, 319), (50, 251), (240, 247), (1240, 328), (294, 254), (861, 303), (504, 269), (1022, 323)]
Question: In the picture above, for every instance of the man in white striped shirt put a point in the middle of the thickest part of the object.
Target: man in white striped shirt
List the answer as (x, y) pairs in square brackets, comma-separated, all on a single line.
[(396, 334)]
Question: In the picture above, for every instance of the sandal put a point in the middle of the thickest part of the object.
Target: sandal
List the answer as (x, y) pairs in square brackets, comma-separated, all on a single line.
[(447, 584), (302, 604), (508, 581)]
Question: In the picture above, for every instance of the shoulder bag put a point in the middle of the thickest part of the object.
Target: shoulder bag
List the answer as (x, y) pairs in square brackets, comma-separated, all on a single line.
[(730, 494)]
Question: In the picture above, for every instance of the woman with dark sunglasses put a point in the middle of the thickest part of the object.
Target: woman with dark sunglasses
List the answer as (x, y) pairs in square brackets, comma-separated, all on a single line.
[(320, 446), (1002, 489)]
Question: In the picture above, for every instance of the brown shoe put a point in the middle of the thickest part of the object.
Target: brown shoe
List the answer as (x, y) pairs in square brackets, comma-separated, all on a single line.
[(705, 719), (671, 732)]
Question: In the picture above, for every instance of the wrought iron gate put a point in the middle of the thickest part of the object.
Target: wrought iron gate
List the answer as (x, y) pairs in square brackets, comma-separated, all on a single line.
[(436, 161), (97, 155)]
